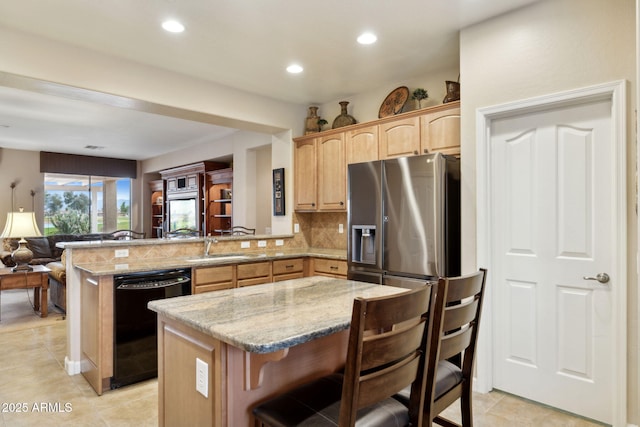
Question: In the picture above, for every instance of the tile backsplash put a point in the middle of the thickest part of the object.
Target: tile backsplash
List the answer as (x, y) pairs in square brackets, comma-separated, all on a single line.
[(321, 229)]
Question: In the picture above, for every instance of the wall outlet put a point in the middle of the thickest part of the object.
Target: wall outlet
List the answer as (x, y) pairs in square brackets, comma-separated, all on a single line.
[(202, 377), (279, 242), (340, 228), (245, 245), (296, 228), (121, 253), (262, 243)]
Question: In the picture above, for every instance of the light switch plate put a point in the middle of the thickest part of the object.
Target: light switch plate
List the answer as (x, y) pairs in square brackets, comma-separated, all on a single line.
[(340, 228), (279, 242), (296, 228), (262, 243), (245, 245), (202, 377)]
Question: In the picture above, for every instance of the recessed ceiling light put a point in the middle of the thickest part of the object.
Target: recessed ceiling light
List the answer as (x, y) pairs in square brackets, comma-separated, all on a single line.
[(294, 69), (367, 38), (173, 26)]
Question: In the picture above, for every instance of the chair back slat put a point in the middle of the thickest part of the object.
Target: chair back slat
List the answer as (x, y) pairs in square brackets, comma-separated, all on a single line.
[(459, 315), (464, 287), (378, 350), (455, 343), (378, 385), (381, 312)]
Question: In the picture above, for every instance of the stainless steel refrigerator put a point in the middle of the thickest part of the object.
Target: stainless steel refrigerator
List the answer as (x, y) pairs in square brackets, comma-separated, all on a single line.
[(404, 219)]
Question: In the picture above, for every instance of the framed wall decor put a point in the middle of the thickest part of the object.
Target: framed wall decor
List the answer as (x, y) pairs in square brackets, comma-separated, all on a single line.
[(278, 192)]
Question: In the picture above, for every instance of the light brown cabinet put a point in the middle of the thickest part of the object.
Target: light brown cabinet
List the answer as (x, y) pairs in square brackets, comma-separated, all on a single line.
[(440, 131), (305, 175), (321, 159), (320, 174), (400, 138), (207, 279), (254, 273), (362, 144), (285, 269), (332, 173), (329, 267)]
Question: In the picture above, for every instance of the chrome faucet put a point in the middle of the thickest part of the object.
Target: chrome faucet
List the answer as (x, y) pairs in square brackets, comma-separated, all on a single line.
[(209, 241)]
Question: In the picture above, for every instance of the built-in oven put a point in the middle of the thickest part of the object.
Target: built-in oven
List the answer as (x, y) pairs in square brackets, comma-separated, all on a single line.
[(135, 347)]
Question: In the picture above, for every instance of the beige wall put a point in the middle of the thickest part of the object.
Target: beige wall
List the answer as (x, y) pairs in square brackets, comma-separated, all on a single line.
[(22, 168), (549, 47)]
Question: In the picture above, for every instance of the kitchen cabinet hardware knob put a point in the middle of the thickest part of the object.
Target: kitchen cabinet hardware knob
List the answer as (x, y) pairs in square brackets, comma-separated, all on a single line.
[(415, 152), (333, 267), (426, 151), (341, 203), (288, 266)]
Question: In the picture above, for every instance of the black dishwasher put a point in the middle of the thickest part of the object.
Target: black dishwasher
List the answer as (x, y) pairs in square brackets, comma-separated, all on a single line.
[(135, 346)]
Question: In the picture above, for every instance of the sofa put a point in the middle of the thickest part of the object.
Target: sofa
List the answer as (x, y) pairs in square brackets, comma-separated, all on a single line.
[(45, 252)]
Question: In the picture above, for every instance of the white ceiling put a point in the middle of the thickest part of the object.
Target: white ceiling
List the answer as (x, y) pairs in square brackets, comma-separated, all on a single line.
[(238, 43)]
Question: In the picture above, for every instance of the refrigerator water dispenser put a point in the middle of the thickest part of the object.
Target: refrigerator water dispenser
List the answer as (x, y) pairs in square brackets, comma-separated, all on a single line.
[(363, 241)]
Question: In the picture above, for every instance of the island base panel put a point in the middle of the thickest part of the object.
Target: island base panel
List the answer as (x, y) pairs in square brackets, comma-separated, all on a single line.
[(237, 380)]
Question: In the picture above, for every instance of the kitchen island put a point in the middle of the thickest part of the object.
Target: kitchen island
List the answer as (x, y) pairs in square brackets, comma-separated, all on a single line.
[(242, 346)]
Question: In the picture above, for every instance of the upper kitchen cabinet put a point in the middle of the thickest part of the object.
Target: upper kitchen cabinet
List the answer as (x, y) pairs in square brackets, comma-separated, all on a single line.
[(320, 159), (305, 175), (400, 138), (320, 173), (440, 131), (332, 173), (362, 144)]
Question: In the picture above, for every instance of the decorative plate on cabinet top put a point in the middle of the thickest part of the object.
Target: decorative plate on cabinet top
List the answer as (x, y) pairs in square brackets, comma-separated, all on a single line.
[(394, 102)]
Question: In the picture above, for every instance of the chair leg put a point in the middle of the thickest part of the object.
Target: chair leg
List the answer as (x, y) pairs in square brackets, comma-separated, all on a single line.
[(466, 405)]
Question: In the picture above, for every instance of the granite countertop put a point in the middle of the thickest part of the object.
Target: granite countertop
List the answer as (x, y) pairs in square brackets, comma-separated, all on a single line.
[(123, 266), (274, 316)]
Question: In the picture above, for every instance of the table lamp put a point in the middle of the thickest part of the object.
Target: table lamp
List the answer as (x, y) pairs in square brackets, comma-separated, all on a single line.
[(19, 225)]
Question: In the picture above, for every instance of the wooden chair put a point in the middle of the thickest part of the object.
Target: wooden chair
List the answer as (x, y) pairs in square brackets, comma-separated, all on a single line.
[(386, 352), (182, 232), (127, 235), (452, 350)]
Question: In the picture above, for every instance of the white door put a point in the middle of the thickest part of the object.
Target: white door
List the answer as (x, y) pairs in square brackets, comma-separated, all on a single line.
[(553, 223)]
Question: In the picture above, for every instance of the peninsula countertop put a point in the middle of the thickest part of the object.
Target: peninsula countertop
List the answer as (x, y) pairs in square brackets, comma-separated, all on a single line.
[(274, 316), (123, 266)]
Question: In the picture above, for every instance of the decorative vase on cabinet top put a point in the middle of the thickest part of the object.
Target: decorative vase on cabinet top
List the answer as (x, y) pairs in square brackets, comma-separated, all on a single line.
[(311, 123), (344, 119)]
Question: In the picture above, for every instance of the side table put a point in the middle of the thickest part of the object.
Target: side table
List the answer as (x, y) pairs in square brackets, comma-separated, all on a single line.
[(38, 279)]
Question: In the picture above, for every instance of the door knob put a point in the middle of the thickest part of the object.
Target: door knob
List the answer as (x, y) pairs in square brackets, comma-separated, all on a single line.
[(600, 277)]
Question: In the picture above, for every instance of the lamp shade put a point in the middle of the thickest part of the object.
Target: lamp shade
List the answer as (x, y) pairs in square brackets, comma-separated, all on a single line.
[(21, 224)]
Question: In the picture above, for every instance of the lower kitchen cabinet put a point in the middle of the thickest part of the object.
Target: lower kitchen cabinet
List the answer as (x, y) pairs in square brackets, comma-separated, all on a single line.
[(329, 267), (209, 279), (285, 269), (255, 273)]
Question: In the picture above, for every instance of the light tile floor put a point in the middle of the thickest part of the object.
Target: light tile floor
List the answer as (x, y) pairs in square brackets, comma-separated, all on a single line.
[(35, 390)]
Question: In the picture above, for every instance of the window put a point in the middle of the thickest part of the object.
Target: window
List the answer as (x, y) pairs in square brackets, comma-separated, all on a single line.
[(81, 204)]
